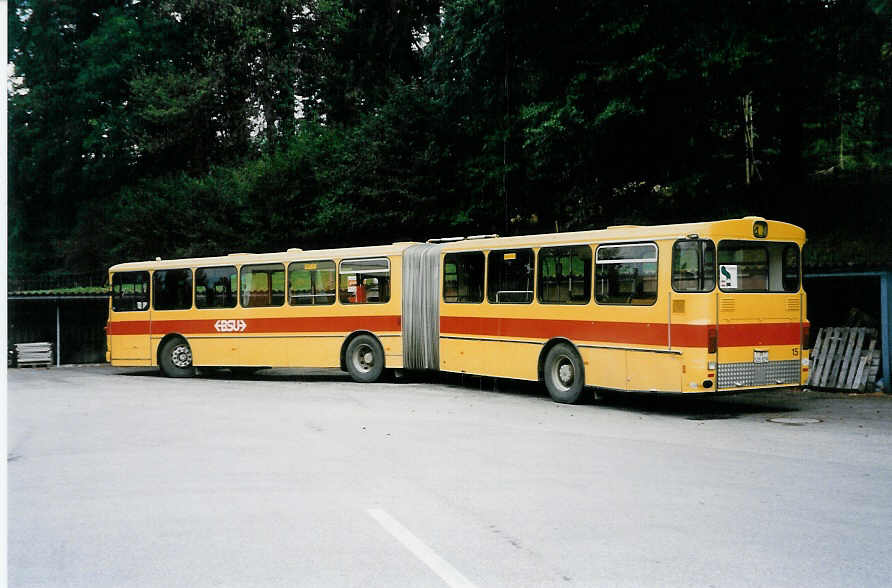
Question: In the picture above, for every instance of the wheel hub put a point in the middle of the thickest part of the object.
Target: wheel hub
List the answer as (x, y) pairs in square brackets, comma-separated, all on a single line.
[(365, 358), (181, 356), (565, 374)]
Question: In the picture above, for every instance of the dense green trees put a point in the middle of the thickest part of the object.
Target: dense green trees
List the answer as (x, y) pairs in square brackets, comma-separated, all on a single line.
[(190, 127)]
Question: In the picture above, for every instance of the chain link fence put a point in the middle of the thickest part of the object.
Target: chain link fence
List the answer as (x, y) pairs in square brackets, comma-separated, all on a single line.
[(54, 281)]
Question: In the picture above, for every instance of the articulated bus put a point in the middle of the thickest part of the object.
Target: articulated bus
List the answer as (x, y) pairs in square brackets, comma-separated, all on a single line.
[(689, 308)]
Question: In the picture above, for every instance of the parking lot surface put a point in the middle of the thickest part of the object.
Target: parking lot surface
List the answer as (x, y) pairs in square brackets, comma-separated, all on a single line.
[(119, 477)]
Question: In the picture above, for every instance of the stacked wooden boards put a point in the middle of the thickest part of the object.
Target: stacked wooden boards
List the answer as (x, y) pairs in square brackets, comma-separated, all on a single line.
[(845, 358), (33, 354)]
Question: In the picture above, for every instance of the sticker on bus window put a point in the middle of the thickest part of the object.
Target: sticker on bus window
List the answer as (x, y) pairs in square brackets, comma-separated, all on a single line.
[(728, 277)]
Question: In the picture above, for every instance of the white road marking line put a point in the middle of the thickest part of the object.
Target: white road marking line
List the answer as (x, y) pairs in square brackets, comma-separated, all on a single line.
[(440, 566)]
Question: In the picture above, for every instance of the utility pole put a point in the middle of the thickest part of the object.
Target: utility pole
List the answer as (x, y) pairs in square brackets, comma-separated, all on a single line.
[(506, 32)]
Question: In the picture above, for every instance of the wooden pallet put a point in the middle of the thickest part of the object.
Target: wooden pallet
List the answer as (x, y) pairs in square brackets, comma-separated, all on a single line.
[(845, 359)]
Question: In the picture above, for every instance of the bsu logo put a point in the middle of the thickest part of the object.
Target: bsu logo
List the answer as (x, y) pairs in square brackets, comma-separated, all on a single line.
[(230, 325)]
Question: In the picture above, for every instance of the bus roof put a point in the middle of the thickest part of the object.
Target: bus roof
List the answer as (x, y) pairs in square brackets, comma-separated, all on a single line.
[(741, 228), (276, 257)]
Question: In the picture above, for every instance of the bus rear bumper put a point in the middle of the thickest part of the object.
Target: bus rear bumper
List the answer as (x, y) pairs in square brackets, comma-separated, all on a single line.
[(699, 394), (750, 375)]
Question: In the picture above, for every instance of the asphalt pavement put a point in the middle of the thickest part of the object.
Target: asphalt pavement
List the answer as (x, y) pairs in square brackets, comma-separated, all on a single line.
[(120, 477)]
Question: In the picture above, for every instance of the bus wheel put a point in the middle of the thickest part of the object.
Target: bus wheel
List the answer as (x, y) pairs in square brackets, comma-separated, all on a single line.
[(365, 359), (564, 375), (175, 359)]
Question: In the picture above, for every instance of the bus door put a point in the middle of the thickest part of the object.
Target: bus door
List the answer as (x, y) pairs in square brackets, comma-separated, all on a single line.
[(129, 318), (693, 310), (657, 369)]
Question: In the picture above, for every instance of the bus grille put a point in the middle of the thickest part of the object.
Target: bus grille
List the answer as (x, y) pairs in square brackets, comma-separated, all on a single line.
[(772, 373)]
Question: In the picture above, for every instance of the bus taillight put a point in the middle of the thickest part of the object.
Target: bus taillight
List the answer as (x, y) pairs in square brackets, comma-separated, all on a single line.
[(806, 337), (712, 340)]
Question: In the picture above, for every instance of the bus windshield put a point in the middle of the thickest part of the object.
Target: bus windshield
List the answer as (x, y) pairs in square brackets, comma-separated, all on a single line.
[(749, 266)]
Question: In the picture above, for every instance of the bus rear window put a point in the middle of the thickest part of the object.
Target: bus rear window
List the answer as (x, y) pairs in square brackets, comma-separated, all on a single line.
[(130, 291), (748, 266)]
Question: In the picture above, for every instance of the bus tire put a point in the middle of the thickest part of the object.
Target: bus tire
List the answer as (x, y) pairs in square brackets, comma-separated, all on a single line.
[(563, 374), (365, 359), (175, 359)]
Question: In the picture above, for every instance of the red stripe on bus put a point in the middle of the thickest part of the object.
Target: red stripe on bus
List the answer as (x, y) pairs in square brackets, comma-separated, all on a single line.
[(128, 328), (690, 335), (753, 335), (332, 324), (656, 334), (618, 332)]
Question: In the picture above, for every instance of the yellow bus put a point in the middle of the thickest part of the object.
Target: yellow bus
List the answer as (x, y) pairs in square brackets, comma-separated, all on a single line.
[(687, 308)]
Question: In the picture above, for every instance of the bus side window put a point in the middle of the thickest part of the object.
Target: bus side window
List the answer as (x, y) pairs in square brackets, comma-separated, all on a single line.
[(216, 287), (364, 281), (626, 274), (263, 285), (311, 283), (463, 277), (173, 289), (565, 275), (790, 268), (511, 275), (693, 265)]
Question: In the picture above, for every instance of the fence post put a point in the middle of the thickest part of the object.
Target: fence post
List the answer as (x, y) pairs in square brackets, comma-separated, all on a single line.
[(58, 337), (886, 328)]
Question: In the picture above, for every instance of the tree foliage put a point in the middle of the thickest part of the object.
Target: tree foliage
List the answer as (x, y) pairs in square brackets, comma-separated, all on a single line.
[(189, 127)]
